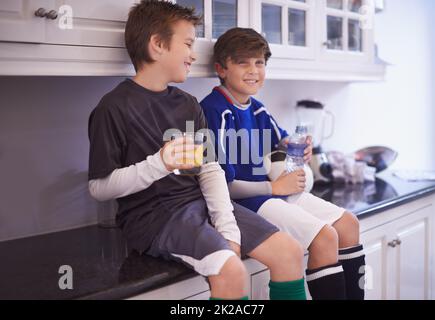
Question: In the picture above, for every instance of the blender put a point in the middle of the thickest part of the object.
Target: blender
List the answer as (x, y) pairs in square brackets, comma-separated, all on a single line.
[(313, 115)]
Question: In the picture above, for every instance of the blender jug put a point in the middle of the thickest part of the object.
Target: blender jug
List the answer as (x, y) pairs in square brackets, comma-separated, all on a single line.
[(314, 116)]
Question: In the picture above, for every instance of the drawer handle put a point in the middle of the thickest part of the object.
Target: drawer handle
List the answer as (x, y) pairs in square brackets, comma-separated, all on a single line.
[(52, 14), (40, 12), (392, 244)]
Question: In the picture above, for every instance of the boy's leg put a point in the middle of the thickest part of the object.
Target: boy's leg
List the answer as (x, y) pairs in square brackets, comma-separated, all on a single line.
[(351, 255), (346, 225), (281, 253), (189, 238), (230, 283), (325, 277)]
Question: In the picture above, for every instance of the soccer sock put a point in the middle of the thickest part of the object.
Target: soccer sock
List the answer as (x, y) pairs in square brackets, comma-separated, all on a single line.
[(242, 298), (327, 283), (289, 290), (353, 261)]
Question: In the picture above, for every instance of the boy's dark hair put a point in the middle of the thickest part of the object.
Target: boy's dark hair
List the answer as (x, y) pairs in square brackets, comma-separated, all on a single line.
[(238, 43), (153, 17)]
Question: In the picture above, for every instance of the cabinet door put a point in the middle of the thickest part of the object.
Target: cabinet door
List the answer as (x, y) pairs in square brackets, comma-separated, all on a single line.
[(413, 252), (288, 26), (346, 29), (218, 15), (94, 23), (19, 23), (377, 258), (260, 285)]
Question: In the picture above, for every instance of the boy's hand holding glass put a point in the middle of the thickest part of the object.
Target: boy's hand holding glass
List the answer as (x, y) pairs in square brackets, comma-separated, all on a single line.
[(183, 154)]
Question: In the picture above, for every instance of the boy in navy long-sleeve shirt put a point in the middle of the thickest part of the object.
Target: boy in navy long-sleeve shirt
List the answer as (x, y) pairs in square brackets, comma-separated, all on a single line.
[(245, 132)]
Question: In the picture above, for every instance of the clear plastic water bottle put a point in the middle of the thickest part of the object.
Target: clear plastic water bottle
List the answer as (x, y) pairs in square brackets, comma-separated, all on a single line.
[(295, 149)]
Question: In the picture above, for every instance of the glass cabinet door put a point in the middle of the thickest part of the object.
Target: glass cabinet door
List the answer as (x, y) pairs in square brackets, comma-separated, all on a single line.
[(345, 31), (288, 26), (224, 16), (218, 15), (271, 23), (199, 10)]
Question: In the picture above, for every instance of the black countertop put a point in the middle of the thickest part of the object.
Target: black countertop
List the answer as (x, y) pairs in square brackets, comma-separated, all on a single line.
[(103, 268)]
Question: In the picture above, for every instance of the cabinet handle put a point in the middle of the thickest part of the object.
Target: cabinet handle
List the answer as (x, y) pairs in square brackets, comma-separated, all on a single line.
[(40, 12), (52, 14), (392, 244), (398, 242)]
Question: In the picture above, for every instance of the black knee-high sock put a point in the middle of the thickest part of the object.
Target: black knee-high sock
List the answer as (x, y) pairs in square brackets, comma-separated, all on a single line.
[(327, 283), (353, 261)]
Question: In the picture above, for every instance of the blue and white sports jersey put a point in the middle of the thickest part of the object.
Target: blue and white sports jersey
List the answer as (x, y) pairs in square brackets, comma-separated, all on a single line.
[(239, 158)]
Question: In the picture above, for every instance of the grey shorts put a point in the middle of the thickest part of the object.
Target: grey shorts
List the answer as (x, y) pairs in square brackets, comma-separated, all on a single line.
[(190, 238)]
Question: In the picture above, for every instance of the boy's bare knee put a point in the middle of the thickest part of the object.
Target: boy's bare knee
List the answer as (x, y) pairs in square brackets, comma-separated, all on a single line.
[(348, 230), (290, 250), (233, 270), (352, 221), (231, 280), (326, 240)]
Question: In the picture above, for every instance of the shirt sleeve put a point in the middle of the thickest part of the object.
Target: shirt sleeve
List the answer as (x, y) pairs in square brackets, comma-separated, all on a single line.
[(107, 139), (215, 191), (240, 189), (129, 180)]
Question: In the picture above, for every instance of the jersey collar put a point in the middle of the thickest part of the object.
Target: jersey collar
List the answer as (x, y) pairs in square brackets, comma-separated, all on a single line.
[(230, 98)]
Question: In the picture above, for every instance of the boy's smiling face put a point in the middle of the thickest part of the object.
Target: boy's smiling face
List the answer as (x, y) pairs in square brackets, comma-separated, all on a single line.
[(178, 59), (243, 77)]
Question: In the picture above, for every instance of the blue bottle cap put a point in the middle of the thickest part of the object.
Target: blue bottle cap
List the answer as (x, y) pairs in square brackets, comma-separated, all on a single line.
[(302, 129)]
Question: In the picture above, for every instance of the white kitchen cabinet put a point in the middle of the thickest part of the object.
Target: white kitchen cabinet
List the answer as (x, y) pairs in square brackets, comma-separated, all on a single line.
[(289, 26), (94, 46), (376, 263), (260, 285), (46, 45), (18, 22), (346, 31), (65, 22), (399, 253), (94, 23)]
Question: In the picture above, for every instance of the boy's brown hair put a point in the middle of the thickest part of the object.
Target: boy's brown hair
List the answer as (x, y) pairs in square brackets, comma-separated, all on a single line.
[(239, 43), (153, 17)]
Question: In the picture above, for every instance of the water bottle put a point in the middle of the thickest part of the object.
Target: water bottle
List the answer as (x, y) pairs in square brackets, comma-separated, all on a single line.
[(295, 149)]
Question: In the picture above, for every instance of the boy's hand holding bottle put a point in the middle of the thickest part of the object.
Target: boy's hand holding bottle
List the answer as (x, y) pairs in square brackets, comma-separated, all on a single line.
[(308, 151), (289, 183)]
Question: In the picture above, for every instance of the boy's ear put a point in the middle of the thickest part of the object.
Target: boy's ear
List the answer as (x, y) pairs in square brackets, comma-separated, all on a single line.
[(220, 70), (155, 47)]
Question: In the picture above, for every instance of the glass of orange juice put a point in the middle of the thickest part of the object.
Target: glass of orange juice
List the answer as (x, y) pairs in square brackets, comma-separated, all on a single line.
[(198, 158)]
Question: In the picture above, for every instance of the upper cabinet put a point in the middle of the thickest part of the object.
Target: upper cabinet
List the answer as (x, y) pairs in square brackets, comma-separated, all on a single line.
[(69, 22), (19, 23), (309, 39), (89, 23), (347, 30), (288, 26)]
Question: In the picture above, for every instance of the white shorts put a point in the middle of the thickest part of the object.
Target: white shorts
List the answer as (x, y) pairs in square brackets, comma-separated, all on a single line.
[(302, 215)]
